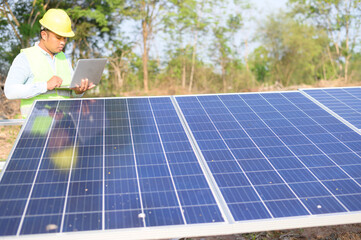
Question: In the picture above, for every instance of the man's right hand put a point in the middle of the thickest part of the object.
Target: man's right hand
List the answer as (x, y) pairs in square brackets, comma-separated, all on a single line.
[(54, 82)]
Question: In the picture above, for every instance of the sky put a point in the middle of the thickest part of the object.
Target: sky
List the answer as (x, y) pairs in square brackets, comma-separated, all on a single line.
[(260, 10), (268, 6), (263, 8)]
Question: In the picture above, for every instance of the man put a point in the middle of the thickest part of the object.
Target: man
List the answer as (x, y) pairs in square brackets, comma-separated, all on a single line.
[(38, 71)]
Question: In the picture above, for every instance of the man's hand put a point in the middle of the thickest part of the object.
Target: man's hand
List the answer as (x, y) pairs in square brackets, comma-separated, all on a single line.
[(54, 82), (83, 87)]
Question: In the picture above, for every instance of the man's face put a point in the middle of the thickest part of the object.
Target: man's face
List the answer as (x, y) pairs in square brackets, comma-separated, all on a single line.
[(53, 42)]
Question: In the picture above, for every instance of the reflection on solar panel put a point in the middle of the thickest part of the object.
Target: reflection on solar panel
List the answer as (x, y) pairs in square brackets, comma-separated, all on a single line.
[(180, 166), (103, 164), (345, 102)]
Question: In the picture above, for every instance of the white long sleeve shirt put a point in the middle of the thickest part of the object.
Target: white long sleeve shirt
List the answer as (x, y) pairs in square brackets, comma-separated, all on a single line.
[(19, 82)]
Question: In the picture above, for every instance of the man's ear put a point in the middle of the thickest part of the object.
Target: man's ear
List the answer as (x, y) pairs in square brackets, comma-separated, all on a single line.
[(43, 35)]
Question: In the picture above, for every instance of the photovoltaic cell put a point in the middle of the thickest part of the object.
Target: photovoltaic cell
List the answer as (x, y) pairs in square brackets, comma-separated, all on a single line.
[(345, 102), (103, 164), (289, 157), (161, 168), (207, 164)]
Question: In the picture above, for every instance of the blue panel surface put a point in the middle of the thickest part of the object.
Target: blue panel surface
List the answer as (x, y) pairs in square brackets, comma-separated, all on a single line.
[(145, 163), (345, 102), (276, 154), (101, 164)]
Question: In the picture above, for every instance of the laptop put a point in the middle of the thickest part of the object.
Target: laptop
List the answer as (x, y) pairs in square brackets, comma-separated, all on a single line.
[(92, 69)]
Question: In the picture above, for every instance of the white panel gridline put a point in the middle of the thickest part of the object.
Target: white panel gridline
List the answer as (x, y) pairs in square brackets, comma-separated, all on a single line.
[(190, 166)]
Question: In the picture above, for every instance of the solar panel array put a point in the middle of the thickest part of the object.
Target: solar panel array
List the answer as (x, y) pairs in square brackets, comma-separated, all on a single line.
[(276, 155), (345, 102), (187, 162)]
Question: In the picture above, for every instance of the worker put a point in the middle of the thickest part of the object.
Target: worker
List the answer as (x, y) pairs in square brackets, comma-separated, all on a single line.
[(37, 72)]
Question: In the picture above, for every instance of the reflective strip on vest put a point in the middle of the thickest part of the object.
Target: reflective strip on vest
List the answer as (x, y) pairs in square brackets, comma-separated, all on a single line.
[(42, 71)]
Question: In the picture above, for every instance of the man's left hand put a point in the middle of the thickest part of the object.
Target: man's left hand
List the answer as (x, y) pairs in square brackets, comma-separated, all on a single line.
[(85, 86)]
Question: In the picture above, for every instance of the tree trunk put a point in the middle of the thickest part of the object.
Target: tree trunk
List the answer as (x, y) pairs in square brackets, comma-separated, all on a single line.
[(246, 54), (324, 69), (332, 61), (193, 60), (253, 80), (224, 80), (347, 57), (288, 75), (145, 56), (120, 79), (74, 45), (5, 10), (183, 72), (184, 67), (334, 41)]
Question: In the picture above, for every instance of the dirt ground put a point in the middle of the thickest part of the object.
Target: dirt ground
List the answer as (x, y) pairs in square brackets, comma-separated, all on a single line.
[(340, 232), (8, 135)]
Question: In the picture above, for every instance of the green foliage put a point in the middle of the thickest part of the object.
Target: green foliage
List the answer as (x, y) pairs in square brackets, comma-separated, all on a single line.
[(341, 20), (294, 50), (180, 59), (94, 23), (259, 64), (355, 68), (238, 78), (314, 40), (224, 49), (235, 22)]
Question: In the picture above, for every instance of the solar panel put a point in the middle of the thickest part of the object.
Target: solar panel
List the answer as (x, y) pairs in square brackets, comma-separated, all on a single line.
[(163, 167), (103, 164), (345, 102), (276, 155)]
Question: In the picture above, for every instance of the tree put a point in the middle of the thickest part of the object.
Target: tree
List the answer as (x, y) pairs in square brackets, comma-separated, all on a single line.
[(19, 26), (95, 24), (149, 14), (180, 60), (92, 22), (222, 47), (199, 24), (259, 63), (119, 62), (178, 26), (294, 49), (341, 20), (23, 18)]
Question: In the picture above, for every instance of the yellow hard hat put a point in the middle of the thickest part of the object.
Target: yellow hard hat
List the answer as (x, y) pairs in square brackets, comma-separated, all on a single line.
[(57, 21), (65, 158)]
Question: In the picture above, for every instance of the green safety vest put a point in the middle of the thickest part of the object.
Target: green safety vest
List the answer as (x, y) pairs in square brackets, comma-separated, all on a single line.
[(42, 71)]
